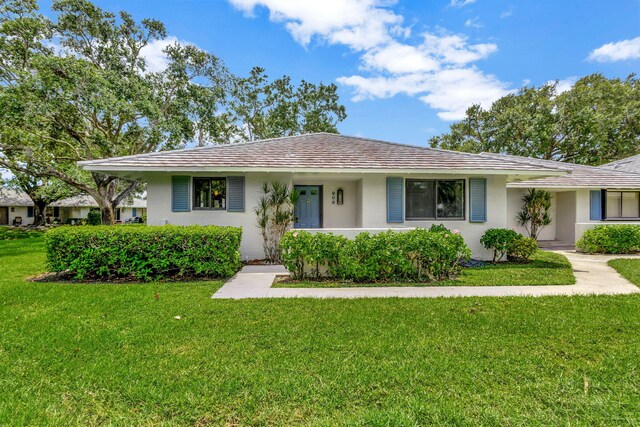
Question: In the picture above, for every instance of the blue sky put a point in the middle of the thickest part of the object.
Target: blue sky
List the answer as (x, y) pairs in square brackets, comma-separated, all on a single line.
[(407, 69)]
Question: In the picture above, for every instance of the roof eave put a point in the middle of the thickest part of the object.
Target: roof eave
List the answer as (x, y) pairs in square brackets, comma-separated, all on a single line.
[(116, 170)]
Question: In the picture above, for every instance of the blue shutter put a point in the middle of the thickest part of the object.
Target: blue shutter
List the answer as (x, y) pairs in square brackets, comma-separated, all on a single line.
[(180, 193), (595, 205), (395, 199), (30, 212), (235, 193), (134, 212), (477, 200)]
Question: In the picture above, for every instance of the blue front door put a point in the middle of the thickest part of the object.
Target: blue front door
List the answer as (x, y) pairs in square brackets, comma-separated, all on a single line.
[(307, 210)]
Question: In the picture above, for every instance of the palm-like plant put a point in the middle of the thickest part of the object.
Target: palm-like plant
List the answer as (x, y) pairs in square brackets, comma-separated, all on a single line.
[(275, 216), (536, 211)]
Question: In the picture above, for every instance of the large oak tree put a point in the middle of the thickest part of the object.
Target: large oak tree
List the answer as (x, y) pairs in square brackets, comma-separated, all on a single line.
[(594, 122), (79, 88)]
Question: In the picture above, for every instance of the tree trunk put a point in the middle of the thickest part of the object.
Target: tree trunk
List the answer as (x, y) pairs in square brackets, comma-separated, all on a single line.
[(106, 209), (39, 212)]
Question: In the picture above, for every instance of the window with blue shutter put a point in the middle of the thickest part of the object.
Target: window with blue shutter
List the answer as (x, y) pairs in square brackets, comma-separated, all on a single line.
[(30, 212), (395, 199), (180, 193), (477, 200), (595, 205), (235, 194)]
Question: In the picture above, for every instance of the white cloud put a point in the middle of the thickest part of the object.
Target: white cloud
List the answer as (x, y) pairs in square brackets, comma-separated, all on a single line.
[(617, 51), (473, 23), (461, 3), (436, 68), (359, 24), (451, 90)]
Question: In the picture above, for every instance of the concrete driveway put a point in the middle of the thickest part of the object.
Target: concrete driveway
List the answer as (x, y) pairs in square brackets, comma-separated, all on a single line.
[(593, 277)]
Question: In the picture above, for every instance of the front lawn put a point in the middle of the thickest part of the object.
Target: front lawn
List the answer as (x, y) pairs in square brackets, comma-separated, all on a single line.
[(546, 268), (628, 268), (115, 354), (12, 233)]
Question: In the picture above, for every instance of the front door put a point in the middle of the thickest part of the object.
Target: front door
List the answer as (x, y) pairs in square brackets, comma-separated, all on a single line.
[(307, 210), (4, 216)]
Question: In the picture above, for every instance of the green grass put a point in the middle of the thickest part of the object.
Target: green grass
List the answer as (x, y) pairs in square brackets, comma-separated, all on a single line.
[(114, 354), (12, 233), (546, 268), (628, 268)]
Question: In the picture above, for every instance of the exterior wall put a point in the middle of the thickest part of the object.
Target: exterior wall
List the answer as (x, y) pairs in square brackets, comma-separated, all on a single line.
[(374, 212), (364, 207), (514, 204), (566, 218), (333, 214), (159, 209), (21, 211)]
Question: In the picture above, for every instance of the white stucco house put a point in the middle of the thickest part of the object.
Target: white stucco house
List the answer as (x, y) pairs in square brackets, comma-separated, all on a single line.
[(78, 207), (348, 185), (16, 208)]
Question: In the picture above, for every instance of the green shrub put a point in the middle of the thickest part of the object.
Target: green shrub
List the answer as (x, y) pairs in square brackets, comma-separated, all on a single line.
[(521, 250), (611, 239), (94, 217), (144, 253), (498, 241), (416, 255)]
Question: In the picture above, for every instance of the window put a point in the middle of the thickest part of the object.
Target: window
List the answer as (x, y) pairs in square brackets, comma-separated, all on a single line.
[(30, 212), (623, 204), (430, 199), (209, 193)]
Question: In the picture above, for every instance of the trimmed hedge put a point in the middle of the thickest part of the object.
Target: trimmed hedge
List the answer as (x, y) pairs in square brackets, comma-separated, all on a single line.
[(504, 241), (144, 253), (611, 239), (416, 255)]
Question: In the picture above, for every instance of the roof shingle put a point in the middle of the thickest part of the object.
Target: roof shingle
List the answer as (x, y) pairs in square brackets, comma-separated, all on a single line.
[(313, 151)]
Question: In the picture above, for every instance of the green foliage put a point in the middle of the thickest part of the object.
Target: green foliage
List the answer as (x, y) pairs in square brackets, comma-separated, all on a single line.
[(611, 239), (536, 211), (499, 240), (94, 217), (144, 253), (594, 122), (262, 109), (275, 215), (418, 255), (521, 250)]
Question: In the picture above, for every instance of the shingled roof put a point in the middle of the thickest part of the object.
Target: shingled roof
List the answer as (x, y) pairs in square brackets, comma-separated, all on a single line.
[(581, 176), (630, 164), (11, 197), (316, 152)]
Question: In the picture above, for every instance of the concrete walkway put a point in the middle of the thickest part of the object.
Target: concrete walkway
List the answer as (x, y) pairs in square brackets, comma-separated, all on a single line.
[(593, 276)]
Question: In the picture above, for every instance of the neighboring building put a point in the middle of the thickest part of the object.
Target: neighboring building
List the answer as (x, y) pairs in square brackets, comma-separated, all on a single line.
[(347, 185), (78, 207), (16, 208), (582, 199)]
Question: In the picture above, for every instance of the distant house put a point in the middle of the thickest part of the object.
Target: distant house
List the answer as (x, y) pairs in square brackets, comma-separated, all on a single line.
[(78, 207), (16, 208)]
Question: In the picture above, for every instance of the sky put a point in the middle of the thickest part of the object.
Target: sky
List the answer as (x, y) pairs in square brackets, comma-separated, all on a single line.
[(406, 69)]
